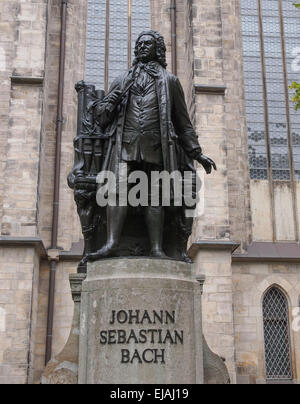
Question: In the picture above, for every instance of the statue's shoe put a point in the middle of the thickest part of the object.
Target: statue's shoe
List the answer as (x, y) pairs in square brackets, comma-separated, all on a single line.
[(158, 254), (83, 261), (186, 258), (106, 251)]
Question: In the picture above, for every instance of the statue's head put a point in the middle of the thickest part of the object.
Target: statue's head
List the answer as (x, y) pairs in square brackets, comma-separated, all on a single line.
[(150, 46)]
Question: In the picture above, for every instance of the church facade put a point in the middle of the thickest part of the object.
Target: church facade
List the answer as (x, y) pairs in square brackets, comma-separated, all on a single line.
[(235, 60)]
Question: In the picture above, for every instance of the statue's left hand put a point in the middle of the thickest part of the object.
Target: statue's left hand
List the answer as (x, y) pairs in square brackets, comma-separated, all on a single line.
[(207, 163)]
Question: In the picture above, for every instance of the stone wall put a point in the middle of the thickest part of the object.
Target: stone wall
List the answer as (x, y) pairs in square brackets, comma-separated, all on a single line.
[(251, 281), (8, 26), (185, 54), (217, 303), (27, 147), (19, 214), (63, 308), (69, 228), (208, 69), (220, 120), (235, 124), (19, 272), (282, 225), (24, 46), (213, 222), (22, 50), (161, 22)]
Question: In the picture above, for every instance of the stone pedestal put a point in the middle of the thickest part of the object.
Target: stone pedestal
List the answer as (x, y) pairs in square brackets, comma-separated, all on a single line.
[(63, 369), (137, 321), (140, 323)]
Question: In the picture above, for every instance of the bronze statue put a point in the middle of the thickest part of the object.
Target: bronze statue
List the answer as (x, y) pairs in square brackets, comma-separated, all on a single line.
[(143, 122)]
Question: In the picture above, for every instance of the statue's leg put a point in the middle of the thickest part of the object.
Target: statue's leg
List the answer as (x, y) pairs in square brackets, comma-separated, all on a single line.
[(116, 216), (88, 239), (155, 223), (88, 243)]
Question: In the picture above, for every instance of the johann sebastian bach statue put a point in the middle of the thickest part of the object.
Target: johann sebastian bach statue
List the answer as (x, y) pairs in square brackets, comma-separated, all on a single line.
[(142, 122)]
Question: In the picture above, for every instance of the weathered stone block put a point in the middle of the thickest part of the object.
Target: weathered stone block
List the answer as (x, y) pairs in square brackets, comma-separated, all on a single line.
[(140, 323)]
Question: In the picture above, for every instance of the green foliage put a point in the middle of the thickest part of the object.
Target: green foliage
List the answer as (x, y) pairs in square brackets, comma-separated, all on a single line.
[(296, 98), (296, 86)]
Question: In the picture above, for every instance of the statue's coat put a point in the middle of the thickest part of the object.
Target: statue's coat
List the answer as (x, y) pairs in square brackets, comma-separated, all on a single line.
[(175, 123)]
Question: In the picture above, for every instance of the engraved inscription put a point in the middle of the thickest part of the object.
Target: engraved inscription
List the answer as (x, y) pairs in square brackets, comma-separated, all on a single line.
[(154, 336)]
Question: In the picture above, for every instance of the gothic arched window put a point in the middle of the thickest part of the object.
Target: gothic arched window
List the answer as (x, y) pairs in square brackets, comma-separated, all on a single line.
[(277, 336), (112, 28)]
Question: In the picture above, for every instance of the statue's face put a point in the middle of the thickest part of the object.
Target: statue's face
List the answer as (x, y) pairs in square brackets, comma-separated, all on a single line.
[(146, 48)]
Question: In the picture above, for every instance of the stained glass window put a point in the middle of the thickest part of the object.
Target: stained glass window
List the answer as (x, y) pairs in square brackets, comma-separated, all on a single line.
[(95, 44), (118, 38), (268, 69), (292, 49), (109, 39), (254, 91)]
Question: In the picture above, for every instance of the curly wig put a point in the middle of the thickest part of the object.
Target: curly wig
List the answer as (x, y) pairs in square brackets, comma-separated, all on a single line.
[(160, 47)]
